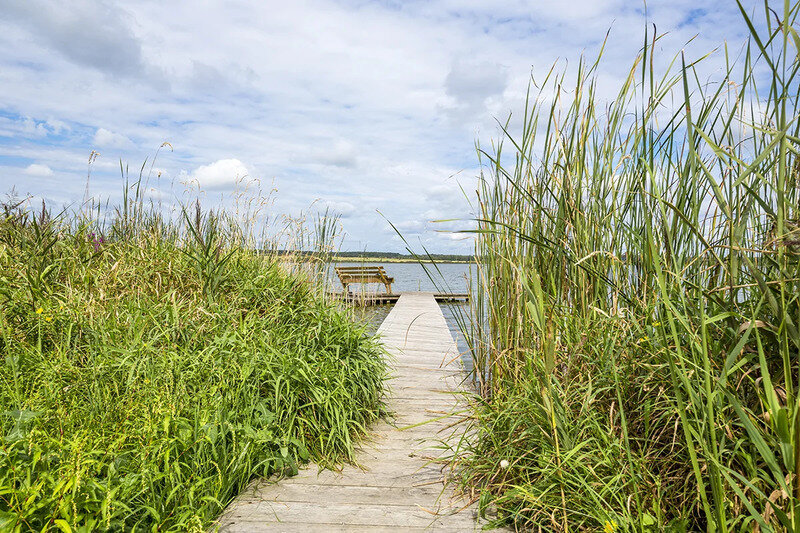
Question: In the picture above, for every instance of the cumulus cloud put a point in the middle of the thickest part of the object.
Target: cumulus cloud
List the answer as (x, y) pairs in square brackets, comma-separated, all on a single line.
[(457, 236), (40, 171), (93, 34), (470, 85), (57, 126), (222, 174), (408, 227), (340, 208), (366, 104), (104, 138)]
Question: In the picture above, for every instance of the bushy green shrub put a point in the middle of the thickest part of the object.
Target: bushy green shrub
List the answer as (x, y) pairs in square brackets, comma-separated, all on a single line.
[(136, 394)]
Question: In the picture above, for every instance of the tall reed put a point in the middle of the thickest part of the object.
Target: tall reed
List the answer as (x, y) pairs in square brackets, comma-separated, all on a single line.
[(635, 323)]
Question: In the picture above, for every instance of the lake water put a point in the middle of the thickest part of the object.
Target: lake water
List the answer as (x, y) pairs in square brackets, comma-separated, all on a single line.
[(411, 277)]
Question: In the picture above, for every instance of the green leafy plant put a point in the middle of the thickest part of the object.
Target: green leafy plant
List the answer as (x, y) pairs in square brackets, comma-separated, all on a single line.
[(148, 376), (635, 322)]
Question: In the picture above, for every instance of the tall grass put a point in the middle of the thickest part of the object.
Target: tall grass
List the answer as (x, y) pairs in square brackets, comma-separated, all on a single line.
[(153, 366), (635, 329)]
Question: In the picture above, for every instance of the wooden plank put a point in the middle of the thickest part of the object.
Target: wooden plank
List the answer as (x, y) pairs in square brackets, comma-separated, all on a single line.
[(318, 513), (399, 481), (370, 298), (342, 494), (260, 527)]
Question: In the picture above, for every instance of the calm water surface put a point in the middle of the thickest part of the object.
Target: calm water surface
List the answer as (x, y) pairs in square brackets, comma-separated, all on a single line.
[(411, 277)]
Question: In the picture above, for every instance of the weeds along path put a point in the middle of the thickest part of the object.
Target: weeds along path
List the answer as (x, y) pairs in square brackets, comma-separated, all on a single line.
[(398, 482)]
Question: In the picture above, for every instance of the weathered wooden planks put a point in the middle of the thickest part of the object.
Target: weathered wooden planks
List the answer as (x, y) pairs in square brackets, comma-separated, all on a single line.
[(364, 298), (397, 484)]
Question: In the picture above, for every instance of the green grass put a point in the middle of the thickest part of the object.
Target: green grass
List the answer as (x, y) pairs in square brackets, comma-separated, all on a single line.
[(147, 378), (635, 323)]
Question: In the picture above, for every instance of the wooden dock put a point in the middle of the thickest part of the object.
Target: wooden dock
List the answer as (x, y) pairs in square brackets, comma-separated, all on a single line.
[(380, 298), (398, 484)]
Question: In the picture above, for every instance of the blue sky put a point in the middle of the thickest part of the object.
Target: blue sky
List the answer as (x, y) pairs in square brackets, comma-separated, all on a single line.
[(360, 106)]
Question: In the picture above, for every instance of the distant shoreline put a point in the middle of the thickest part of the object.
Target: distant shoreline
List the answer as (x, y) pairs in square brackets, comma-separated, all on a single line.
[(397, 260), (380, 257)]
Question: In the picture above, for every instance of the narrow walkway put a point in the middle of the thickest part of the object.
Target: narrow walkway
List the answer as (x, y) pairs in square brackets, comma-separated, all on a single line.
[(397, 486)]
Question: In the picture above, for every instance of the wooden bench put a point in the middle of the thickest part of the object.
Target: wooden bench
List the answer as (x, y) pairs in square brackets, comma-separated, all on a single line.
[(364, 274)]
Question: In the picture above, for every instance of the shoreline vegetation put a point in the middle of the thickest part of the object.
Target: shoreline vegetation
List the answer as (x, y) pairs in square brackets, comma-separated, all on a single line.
[(394, 257), (635, 324), (384, 259), (152, 367), (381, 257)]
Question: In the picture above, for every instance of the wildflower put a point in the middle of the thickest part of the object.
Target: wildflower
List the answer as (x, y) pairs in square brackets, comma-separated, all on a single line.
[(48, 319), (610, 526), (39, 311), (656, 324), (641, 340), (504, 464), (96, 241)]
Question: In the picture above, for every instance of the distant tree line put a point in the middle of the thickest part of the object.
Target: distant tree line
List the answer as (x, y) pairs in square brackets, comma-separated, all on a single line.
[(396, 255), (383, 255)]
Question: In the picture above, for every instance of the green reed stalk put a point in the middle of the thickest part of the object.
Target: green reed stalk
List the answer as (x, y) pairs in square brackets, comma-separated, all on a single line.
[(663, 226)]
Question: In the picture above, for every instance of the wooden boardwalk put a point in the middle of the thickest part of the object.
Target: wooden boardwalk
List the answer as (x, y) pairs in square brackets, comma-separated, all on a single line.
[(379, 298), (396, 486)]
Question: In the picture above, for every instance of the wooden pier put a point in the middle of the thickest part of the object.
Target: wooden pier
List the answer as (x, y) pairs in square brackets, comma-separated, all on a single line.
[(398, 484), (380, 298)]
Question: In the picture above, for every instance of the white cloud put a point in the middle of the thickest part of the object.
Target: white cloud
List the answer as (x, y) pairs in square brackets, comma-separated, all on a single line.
[(338, 153), (340, 208), (94, 34), (40, 171), (408, 227), (371, 104), (104, 138), (57, 126), (457, 236), (222, 174), (34, 128), (472, 82)]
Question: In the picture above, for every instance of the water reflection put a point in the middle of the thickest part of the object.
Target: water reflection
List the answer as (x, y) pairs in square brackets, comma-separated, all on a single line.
[(455, 314), (371, 315)]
